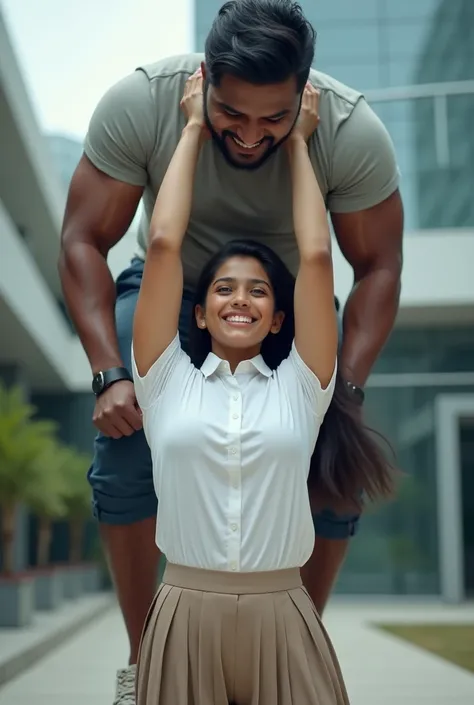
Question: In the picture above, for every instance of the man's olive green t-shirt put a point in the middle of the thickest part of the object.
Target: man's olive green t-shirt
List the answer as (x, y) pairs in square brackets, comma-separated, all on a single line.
[(135, 129)]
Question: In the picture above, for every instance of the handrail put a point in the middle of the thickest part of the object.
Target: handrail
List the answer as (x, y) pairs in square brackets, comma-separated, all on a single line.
[(423, 90), (438, 93)]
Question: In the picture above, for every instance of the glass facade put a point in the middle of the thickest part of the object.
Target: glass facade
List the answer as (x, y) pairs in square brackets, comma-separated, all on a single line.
[(378, 45), (397, 548), (414, 60), (396, 551)]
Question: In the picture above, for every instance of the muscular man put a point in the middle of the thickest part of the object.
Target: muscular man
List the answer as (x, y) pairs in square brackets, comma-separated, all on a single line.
[(257, 60)]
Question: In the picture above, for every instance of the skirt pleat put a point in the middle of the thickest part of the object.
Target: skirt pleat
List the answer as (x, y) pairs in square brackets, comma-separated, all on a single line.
[(203, 647)]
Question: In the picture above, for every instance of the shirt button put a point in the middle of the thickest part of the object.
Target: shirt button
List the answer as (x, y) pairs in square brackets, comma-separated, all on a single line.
[(233, 450), (235, 397), (233, 565), (233, 527), (235, 416)]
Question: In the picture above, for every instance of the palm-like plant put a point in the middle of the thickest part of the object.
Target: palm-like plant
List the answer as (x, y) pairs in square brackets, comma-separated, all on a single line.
[(77, 500), (22, 440), (46, 498)]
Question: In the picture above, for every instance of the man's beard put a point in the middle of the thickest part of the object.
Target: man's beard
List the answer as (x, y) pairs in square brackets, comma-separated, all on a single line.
[(220, 142)]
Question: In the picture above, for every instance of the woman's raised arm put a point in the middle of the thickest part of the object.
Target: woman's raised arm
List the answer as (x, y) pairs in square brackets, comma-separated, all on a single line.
[(157, 313), (316, 334)]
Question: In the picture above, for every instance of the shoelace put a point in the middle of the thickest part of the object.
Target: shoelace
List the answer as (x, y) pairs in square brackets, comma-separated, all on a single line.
[(126, 687)]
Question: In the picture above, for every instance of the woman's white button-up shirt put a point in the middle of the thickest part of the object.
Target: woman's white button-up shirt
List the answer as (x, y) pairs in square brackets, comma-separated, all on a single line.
[(231, 455)]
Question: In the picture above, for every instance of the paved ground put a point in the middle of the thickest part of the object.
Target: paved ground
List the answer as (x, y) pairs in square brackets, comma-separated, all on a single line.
[(21, 648), (379, 669)]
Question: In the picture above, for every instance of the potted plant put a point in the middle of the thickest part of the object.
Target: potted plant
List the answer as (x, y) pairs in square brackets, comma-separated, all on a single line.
[(22, 439), (80, 576), (46, 501)]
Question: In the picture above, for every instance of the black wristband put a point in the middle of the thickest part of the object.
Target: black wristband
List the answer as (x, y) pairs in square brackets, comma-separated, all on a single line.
[(105, 378)]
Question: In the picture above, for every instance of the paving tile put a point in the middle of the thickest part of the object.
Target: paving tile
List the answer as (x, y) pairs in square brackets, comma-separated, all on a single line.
[(379, 669)]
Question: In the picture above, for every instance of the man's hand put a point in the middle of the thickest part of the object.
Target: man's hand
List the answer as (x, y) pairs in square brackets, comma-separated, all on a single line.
[(116, 412)]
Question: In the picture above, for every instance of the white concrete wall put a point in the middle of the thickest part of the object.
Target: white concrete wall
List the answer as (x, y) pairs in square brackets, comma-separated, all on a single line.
[(33, 331), (30, 187), (437, 280)]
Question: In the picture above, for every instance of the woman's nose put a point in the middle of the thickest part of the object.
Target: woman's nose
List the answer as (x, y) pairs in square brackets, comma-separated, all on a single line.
[(240, 300)]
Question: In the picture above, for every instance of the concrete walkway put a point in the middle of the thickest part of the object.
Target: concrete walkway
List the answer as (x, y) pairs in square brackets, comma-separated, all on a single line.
[(379, 669)]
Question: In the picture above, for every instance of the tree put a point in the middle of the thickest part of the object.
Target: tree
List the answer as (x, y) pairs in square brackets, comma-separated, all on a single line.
[(46, 498), (77, 500), (22, 440)]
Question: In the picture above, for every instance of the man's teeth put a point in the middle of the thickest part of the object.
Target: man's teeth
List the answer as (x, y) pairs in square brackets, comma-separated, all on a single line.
[(246, 146), (239, 319)]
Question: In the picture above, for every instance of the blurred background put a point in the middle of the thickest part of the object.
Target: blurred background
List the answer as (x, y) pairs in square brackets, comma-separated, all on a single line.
[(414, 60)]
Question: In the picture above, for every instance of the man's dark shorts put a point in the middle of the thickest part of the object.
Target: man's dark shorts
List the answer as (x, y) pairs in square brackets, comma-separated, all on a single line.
[(121, 473)]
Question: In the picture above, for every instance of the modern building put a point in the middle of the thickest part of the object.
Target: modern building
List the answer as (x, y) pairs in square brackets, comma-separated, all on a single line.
[(414, 62), (38, 348)]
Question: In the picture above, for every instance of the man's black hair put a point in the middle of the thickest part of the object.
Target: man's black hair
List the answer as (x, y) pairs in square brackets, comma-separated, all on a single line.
[(260, 42)]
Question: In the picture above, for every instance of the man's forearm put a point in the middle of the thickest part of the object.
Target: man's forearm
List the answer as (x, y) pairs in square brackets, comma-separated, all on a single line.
[(369, 316), (90, 295)]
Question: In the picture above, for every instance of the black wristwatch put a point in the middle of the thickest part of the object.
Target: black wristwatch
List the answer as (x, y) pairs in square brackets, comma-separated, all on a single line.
[(104, 379), (357, 393)]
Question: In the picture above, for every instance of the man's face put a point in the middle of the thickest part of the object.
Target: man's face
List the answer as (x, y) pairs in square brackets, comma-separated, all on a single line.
[(248, 122)]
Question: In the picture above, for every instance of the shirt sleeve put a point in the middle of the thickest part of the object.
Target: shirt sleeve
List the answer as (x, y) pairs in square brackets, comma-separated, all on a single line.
[(172, 362), (122, 130), (364, 167), (295, 372)]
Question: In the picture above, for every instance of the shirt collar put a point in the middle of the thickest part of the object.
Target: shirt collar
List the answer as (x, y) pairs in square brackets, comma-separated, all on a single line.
[(213, 364)]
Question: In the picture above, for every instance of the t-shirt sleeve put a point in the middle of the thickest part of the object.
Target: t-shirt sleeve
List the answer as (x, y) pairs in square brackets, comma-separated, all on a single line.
[(364, 167), (122, 130), (171, 364), (300, 380)]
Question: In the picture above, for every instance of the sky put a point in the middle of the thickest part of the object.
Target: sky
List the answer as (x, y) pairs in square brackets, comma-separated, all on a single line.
[(71, 51)]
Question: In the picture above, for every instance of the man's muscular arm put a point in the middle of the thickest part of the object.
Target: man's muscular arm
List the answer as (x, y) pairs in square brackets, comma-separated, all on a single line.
[(371, 241), (99, 211), (103, 197)]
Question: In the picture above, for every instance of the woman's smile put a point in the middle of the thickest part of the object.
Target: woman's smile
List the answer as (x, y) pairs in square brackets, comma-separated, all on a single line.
[(238, 320)]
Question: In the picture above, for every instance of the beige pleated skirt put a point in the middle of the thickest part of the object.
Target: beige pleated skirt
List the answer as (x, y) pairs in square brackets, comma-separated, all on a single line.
[(218, 638)]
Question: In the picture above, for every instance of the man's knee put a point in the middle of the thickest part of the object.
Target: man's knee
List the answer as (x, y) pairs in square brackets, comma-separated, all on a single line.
[(330, 525)]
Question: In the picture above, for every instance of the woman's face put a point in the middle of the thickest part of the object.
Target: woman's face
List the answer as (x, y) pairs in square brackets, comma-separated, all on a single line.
[(240, 309)]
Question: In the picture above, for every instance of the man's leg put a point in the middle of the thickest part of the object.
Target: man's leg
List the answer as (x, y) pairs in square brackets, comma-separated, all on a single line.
[(132, 557), (124, 498)]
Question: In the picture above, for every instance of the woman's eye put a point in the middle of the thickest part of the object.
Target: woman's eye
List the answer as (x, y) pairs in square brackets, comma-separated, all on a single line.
[(258, 292), (224, 290), (231, 114)]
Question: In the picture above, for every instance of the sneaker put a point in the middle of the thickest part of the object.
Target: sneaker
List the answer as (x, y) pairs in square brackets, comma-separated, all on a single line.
[(125, 692)]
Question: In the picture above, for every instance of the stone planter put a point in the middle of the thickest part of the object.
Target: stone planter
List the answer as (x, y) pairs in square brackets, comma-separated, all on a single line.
[(91, 578), (71, 577), (49, 588), (17, 600)]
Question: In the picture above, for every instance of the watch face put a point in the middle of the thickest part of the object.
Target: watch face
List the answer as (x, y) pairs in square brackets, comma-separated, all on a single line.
[(98, 383)]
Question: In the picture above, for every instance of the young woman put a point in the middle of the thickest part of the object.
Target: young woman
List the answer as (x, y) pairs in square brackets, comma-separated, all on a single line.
[(232, 432)]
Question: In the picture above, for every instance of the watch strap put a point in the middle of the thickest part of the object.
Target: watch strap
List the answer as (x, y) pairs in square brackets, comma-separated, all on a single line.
[(105, 378)]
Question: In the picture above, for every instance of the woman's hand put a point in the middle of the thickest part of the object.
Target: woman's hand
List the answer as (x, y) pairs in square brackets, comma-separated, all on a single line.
[(308, 119), (192, 102)]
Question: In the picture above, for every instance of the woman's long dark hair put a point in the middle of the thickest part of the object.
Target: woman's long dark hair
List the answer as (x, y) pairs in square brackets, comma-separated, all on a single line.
[(348, 462)]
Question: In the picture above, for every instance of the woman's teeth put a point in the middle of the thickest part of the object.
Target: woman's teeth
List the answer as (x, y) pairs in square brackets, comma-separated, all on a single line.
[(239, 319), (246, 146)]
